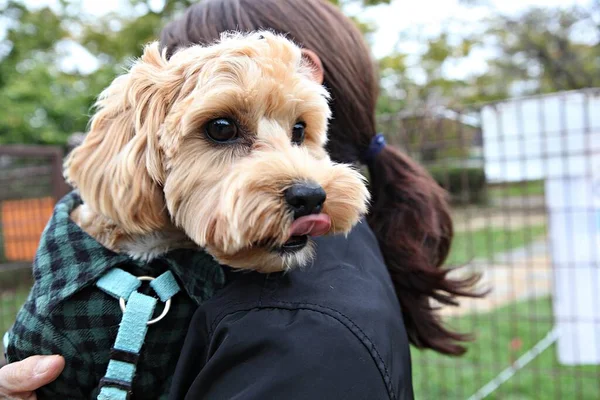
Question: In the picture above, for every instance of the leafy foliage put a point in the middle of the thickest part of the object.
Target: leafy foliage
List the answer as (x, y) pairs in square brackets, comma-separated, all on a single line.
[(44, 100), (41, 100), (541, 50)]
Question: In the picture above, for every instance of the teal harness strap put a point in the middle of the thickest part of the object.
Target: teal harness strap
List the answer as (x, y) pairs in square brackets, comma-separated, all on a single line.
[(118, 283), (118, 380)]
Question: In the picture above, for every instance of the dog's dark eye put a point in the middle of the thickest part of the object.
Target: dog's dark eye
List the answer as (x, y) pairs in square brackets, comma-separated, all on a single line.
[(298, 133), (221, 130)]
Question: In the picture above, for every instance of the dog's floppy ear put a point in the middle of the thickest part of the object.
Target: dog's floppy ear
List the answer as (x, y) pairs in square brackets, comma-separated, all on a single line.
[(118, 169), (313, 61)]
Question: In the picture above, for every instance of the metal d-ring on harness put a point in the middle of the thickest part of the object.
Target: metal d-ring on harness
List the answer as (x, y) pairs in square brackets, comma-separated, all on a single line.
[(118, 380)]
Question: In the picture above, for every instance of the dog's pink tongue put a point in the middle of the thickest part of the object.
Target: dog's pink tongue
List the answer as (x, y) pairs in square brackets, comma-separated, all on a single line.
[(311, 225)]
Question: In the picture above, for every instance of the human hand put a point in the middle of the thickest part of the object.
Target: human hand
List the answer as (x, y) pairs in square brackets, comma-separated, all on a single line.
[(19, 380)]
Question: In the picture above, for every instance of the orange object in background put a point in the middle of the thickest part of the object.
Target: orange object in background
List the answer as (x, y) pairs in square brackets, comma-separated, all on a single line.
[(22, 223)]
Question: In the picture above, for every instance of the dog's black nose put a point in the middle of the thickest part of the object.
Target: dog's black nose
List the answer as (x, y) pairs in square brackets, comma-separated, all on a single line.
[(305, 199)]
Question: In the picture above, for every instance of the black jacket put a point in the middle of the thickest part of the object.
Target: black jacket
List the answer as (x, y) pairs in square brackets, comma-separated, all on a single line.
[(329, 331)]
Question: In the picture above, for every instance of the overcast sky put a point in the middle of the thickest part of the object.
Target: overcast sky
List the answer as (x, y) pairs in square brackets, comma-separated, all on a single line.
[(427, 16), (430, 15)]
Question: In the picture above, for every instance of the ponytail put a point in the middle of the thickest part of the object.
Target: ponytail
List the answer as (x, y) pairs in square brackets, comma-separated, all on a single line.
[(411, 219)]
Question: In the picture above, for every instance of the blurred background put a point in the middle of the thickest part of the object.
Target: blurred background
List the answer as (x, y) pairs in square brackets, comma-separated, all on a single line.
[(500, 100)]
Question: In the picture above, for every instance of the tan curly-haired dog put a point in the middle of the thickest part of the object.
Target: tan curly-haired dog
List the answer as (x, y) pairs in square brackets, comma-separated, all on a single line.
[(223, 145)]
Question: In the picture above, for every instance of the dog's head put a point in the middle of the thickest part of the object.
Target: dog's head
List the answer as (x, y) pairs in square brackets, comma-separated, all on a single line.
[(226, 142)]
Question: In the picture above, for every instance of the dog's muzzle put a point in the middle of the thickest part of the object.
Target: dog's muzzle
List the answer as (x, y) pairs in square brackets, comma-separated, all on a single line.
[(306, 200)]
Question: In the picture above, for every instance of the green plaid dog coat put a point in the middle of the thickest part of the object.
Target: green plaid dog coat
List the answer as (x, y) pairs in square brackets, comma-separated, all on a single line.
[(67, 314)]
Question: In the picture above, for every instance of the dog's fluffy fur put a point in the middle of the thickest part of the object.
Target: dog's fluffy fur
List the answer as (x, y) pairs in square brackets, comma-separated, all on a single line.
[(152, 181)]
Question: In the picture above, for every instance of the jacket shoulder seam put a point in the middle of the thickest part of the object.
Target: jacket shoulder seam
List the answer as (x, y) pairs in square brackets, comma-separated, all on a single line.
[(338, 316)]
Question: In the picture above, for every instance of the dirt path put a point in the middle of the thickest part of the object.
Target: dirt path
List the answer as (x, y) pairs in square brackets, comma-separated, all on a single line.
[(472, 221), (517, 275)]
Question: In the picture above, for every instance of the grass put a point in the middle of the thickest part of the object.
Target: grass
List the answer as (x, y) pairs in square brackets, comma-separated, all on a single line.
[(14, 288), (484, 243), (440, 377), (10, 303), (517, 189)]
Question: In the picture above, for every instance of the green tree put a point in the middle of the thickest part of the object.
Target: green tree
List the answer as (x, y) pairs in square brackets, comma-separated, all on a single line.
[(42, 102), (32, 88), (538, 47), (538, 51), (542, 50)]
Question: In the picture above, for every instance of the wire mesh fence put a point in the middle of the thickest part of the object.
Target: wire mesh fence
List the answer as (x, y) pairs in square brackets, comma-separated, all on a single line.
[(523, 179)]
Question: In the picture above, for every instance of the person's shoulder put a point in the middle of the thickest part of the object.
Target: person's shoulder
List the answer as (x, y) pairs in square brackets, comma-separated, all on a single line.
[(348, 279), (293, 352), (343, 271), (344, 301)]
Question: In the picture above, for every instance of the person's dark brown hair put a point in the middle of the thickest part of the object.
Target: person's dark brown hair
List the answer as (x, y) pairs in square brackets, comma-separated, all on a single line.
[(409, 212)]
